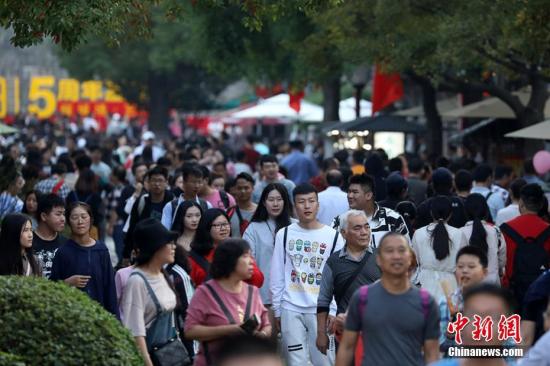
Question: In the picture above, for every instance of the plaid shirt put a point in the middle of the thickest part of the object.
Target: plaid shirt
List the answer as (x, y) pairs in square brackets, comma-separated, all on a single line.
[(47, 185), (9, 204)]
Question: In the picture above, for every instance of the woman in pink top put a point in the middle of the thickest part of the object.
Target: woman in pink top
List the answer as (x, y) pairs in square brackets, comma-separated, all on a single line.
[(226, 305)]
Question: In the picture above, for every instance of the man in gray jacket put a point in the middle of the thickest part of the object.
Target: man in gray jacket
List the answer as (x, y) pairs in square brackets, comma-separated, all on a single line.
[(346, 270)]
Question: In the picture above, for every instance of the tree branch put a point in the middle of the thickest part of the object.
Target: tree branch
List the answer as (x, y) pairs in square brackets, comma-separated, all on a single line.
[(506, 96)]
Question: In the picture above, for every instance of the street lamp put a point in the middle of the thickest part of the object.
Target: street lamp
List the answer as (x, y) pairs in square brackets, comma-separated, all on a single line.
[(359, 80)]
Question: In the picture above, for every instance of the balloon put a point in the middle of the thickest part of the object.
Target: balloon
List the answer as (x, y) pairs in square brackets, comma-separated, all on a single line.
[(541, 162)]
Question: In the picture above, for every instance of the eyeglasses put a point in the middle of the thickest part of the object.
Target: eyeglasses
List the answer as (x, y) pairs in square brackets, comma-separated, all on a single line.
[(219, 226)]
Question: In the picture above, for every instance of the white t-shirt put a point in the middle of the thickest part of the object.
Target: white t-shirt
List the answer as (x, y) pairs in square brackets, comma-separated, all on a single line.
[(296, 271)]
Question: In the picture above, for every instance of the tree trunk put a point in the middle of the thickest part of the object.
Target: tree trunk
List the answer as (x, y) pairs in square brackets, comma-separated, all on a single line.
[(158, 104), (534, 113), (331, 99), (534, 110), (433, 118)]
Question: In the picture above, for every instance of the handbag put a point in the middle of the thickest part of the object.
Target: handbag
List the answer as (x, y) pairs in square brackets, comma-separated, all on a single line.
[(172, 352)]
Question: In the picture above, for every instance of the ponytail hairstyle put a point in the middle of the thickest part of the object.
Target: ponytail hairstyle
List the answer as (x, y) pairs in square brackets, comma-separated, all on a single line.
[(407, 210), (477, 210), (441, 211)]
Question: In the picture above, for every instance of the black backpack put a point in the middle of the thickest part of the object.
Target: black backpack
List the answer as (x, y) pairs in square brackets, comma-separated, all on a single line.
[(530, 259)]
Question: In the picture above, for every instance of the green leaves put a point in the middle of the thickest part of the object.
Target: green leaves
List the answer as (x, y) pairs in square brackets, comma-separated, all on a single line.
[(70, 23), (48, 323)]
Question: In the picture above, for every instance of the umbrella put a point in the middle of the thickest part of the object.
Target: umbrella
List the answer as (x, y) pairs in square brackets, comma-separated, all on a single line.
[(491, 108), (278, 107), (540, 131), (385, 122), (5, 129)]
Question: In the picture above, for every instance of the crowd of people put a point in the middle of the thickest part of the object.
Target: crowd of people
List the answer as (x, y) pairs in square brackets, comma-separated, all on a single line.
[(225, 254)]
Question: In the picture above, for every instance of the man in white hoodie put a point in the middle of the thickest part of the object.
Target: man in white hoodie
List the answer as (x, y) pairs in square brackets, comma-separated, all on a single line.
[(301, 251)]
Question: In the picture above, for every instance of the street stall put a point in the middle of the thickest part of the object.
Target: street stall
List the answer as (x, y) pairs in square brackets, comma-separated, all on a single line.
[(389, 132)]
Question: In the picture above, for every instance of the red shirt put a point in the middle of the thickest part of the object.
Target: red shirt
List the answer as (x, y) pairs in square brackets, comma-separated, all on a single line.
[(198, 275), (527, 225)]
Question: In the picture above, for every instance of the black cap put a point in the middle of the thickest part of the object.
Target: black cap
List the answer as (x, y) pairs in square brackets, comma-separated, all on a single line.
[(150, 235)]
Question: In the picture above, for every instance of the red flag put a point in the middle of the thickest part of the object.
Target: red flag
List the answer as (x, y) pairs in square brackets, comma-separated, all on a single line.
[(295, 100), (387, 89)]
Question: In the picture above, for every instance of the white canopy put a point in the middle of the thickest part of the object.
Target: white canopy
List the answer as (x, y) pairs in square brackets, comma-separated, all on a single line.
[(539, 131), (491, 108), (278, 107), (443, 106), (347, 109)]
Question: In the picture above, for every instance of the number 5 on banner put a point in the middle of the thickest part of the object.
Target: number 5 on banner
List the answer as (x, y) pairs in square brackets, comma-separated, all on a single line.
[(40, 88)]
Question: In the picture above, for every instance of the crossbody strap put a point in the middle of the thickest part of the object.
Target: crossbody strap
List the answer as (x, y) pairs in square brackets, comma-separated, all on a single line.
[(220, 304), (285, 232), (334, 242), (248, 302), (150, 291), (342, 292)]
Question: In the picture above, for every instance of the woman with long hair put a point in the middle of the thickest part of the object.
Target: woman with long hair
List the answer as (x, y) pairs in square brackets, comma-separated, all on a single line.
[(226, 305), (30, 207), (484, 236), (186, 222), (214, 227), (148, 300), (435, 247), (16, 247), (272, 214), (84, 262)]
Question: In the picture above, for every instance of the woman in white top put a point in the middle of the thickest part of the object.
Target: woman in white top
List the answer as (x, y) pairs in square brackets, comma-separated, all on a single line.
[(487, 237), (435, 246), (272, 214)]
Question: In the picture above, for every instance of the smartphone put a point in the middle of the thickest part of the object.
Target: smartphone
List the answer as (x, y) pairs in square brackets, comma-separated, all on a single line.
[(250, 324)]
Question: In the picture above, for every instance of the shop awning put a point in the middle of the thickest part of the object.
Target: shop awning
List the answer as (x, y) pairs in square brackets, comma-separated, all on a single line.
[(491, 108), (444, 105), (539, 131), (386, 123), (5, 129)]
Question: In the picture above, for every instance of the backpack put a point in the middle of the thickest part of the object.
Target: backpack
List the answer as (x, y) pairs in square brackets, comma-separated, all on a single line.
[(201, 262), (284, 243), (530, 259), (225, 199), (175, 204), (424, 298), (243, 224), (58, 186)]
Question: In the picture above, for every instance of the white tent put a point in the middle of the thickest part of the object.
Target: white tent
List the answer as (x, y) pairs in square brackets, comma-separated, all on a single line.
[(278, 107), (443, 106), (347, 109), (539, 131), (491, 108)]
